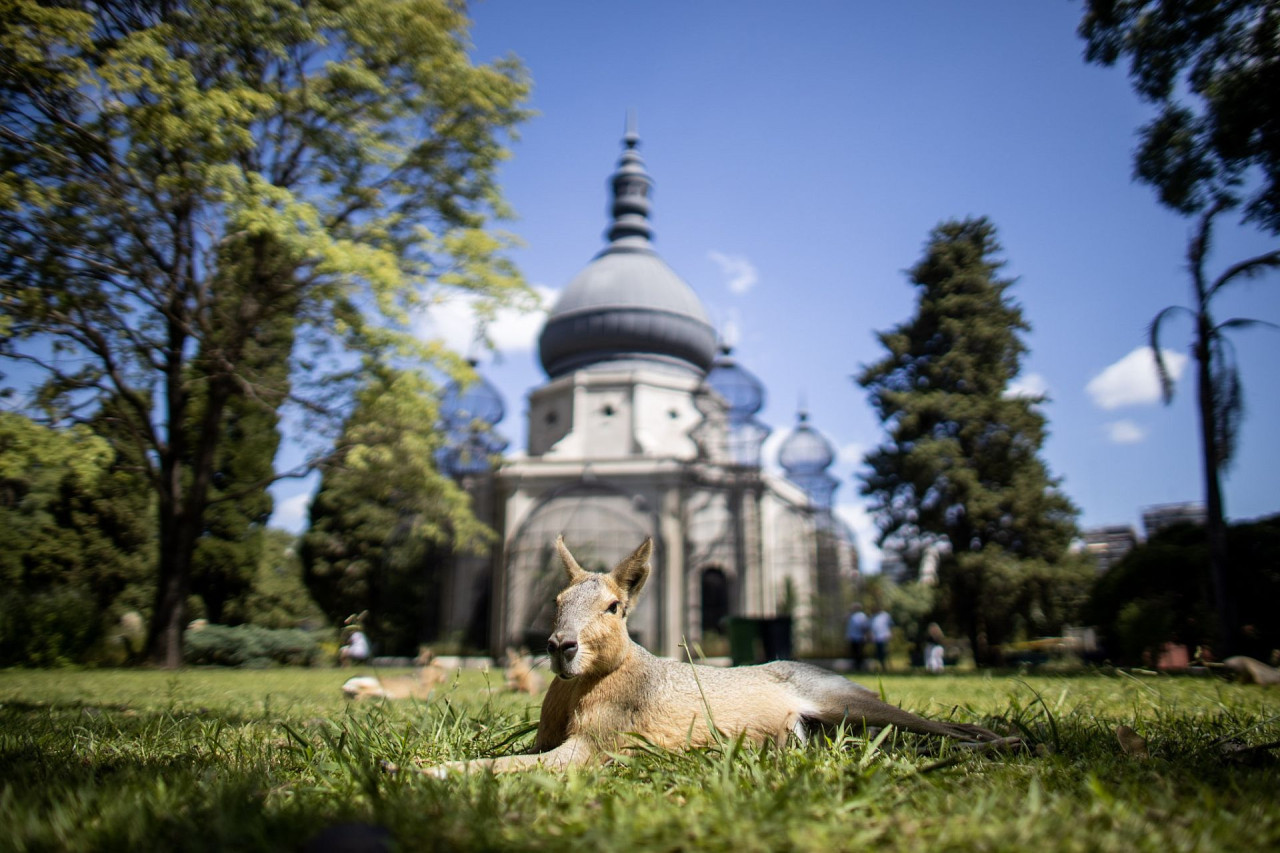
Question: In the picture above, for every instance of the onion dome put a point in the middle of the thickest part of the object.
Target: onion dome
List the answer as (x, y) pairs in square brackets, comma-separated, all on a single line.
[(805, 456), (468, 414), (805, 451), (627, 306), (478, 400), (745, 395), (741, 390)]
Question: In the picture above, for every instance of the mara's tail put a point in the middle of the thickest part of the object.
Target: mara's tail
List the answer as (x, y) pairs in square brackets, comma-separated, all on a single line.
[(837, 700)]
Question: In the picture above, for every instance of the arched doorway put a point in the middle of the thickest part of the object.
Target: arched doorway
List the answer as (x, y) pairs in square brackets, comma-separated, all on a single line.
[(714, 605), (601, 524)]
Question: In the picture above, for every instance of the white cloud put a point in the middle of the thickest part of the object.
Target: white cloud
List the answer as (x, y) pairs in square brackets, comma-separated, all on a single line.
[(1125, 432), (1133, 381), (511, 330), (291, 513), (852, 453), (1030, 385), (740, 272)]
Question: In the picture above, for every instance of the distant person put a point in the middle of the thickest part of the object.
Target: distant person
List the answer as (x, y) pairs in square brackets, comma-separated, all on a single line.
[(934, 653), (856, 633), (881, 631), (356, 649)]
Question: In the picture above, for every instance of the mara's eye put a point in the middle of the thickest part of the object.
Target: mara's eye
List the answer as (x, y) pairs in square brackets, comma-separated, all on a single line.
[(612, 608)]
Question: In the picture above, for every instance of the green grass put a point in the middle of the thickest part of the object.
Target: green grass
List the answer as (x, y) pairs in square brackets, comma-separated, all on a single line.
[(217, 760)]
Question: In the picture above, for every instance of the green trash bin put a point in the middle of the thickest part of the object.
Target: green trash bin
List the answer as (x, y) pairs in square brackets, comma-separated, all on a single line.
[(745, 645), (753, 640)]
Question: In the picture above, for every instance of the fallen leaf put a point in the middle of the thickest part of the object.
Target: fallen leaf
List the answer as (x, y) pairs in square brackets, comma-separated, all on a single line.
[(1131, 742)]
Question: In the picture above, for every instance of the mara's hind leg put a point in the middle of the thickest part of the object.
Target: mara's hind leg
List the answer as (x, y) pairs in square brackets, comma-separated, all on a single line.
[(834, 699)]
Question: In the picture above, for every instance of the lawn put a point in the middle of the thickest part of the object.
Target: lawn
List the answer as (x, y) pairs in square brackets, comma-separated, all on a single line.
[(240, 760)]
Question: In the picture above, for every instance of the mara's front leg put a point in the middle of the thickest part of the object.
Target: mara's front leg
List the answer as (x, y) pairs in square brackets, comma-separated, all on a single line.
[(574, 751)]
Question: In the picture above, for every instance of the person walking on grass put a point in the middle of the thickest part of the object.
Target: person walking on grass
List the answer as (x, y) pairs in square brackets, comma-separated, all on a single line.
[(856, 633), (881, 631), (934, 652)]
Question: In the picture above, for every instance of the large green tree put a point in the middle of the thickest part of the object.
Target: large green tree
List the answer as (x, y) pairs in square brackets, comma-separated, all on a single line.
[(279, 598), (960, 468), (1212, 69), (178, 176)]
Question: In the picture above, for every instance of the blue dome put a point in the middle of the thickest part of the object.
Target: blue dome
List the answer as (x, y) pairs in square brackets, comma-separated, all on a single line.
[(478, 401), (805, 452), (467, 417), (741, 390)]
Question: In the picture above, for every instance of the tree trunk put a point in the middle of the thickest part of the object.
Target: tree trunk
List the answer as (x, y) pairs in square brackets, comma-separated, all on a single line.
[(169, 618), (1215, 514), (181, 521)]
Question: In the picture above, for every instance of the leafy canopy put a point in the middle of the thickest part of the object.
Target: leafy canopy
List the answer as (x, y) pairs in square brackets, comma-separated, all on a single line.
[(182, 180), (1213, 70)]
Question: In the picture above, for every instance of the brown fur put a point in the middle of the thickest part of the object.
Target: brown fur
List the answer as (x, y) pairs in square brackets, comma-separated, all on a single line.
[(609, 690), (520, 675), (1252, 671), (425, 678)]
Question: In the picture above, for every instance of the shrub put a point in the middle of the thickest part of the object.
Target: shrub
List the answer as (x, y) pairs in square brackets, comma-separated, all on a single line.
[(250, 646), (53, 627)]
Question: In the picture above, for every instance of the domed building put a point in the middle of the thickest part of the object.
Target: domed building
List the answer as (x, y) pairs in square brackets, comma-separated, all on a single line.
[(641, 430)]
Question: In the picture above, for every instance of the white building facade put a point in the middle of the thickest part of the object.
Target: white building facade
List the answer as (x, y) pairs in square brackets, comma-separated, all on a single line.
[(641, 430)]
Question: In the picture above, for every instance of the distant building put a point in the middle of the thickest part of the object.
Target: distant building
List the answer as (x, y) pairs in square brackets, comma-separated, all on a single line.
[(1108, 545), (1162, 516), (644, 428)]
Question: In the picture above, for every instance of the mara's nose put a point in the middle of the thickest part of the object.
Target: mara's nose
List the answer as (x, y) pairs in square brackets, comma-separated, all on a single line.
[(558, 643)]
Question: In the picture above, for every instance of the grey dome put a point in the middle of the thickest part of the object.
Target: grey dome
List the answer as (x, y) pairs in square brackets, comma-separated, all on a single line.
[(627, 305)]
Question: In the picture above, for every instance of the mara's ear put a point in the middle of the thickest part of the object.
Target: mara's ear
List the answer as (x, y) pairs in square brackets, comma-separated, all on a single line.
[(571, 567), (632, 572)]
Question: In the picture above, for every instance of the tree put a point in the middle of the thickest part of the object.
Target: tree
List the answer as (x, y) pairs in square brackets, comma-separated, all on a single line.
[(73, 541), (1158, 592), (961, 467), (180, 176), (279, 598), (230, 548), (1213, 69), (1219, 401), (379, 518)]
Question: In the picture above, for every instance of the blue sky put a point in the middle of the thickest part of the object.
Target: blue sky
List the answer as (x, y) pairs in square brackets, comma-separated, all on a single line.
[(803, 152)]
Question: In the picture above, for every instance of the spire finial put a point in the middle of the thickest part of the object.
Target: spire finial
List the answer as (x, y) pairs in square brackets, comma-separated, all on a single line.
[(631, 135), (630, 230)]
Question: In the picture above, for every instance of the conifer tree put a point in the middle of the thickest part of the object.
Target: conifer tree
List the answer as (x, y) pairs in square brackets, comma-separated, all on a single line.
[(960, 468), (381, 515)]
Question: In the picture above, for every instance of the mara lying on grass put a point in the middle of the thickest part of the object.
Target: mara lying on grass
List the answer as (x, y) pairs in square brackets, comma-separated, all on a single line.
[(609, 691), (520, 675), (426, 677)]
